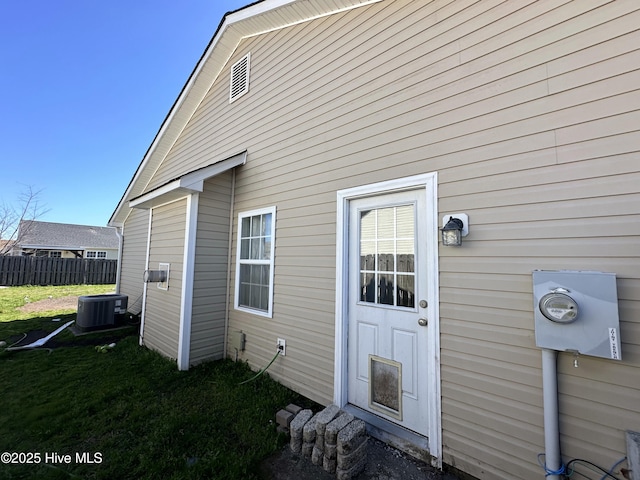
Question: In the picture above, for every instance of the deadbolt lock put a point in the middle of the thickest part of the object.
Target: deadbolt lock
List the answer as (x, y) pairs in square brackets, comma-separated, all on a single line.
[(423, 304)]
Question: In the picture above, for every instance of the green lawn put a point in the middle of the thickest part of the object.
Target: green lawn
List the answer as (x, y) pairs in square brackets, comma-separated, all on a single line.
[(130, 411), (14, 297)]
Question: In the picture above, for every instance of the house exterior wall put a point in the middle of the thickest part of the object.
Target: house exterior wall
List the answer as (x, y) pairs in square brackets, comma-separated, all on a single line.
[(134, 254), (211, 267), (528, 111), (162, 310)]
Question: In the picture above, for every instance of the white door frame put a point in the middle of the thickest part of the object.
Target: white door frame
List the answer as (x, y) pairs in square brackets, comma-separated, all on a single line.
[(340, 388)]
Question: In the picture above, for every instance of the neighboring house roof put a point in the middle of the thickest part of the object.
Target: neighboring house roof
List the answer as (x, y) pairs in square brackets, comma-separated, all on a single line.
[(254, 19), (64, 236)]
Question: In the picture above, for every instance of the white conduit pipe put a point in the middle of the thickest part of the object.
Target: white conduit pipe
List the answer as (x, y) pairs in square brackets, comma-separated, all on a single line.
[(552, 457), (42, 341)]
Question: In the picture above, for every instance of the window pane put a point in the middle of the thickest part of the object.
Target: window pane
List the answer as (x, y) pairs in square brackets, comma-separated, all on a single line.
[(244, 285), (405, 250), (245, 270), (368, 225), (368, 288), (266, 222), (256, 225), (244, 295), (267, 248), (367, 255), (264, 298), (246, 230), (386, 256), (254, 298), (385, 289), (386, 223), (254, 276), (255, 249), (244, 248), (405, 221), (406, 291), (406, 263)]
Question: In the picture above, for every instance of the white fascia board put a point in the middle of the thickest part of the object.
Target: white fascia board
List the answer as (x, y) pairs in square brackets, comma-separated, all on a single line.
[(168, 192), (256, 9), (187, 184), (195, 179), (265, 7), (51, 247)]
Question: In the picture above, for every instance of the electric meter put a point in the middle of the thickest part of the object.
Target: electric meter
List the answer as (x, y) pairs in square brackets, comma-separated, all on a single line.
[(577, 311), (559, 307)]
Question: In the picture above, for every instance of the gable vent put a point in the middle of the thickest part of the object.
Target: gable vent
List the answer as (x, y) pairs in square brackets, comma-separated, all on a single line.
[(239, 78)]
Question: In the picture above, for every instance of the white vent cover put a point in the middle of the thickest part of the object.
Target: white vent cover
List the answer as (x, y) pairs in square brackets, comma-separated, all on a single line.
[(239, 78)]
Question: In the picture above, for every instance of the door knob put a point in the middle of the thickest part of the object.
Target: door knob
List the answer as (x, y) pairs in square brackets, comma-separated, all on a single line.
[(423, 322)]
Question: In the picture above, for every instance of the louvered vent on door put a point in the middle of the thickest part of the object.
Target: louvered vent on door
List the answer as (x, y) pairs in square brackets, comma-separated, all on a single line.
[(239, 78)]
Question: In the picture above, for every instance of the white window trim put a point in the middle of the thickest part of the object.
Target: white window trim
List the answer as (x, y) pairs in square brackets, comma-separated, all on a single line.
[(241, 215)]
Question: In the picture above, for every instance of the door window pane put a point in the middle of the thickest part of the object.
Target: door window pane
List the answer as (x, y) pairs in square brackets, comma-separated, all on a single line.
[(406, 289), (385, 289), (386, 223), (368, 287), (387, 256)]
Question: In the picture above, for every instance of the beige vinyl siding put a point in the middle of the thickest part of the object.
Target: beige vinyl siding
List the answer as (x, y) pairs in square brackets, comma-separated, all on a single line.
[(134, 253), (211, 267), (162, 316), (529, 113)]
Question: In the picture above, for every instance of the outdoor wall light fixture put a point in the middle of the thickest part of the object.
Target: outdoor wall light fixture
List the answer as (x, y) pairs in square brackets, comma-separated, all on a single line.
[(454, 227)]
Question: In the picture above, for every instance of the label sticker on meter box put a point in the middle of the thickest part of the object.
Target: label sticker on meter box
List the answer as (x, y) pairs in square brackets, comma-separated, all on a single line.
[(613, 343)]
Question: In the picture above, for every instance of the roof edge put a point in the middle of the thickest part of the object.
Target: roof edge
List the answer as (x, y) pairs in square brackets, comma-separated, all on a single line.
[(231, 18)]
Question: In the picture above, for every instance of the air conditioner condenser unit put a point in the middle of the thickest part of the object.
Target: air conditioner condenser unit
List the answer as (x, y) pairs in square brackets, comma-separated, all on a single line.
[(99, 312)]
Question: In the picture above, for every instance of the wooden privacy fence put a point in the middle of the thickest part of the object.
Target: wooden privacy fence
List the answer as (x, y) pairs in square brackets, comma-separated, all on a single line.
[(15, 271)]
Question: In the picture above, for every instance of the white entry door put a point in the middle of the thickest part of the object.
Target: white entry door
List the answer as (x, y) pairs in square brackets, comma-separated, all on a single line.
[(388, 308)]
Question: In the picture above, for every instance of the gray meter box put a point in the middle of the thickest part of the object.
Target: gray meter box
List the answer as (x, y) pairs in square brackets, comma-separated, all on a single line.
[(577, 311)]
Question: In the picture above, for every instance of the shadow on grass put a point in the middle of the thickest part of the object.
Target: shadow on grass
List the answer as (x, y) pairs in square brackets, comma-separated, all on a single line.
[(24, 332), (130, 413)]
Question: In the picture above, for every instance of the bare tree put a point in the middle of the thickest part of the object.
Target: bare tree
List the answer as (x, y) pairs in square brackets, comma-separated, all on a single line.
[(15, 220)]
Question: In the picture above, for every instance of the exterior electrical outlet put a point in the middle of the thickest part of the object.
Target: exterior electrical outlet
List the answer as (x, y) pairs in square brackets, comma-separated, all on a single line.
[(282, 346), (578, 312)]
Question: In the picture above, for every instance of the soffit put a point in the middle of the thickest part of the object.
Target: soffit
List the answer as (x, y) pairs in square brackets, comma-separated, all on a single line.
[(255, 19)]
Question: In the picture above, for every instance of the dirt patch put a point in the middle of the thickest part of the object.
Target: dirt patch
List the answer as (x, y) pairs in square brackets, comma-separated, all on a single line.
[(383, 463), (61, 303)]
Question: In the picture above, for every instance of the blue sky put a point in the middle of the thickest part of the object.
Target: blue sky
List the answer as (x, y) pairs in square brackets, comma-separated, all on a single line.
[(84, 88)]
